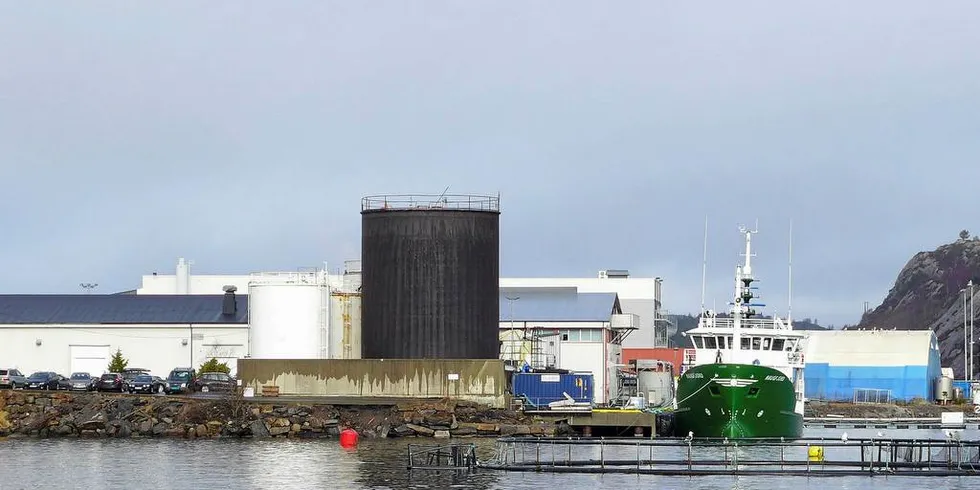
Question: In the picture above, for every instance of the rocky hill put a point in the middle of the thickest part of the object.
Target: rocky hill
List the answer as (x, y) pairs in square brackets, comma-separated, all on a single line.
[(928, 294)]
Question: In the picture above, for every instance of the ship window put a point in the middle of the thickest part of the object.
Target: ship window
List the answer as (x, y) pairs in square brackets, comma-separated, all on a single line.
[(766, 343), (709, 343), (777, 344), (756, 343), (697, 342), (745, 343), (721, 342), (731, 345), (714, 390), (790, 344)]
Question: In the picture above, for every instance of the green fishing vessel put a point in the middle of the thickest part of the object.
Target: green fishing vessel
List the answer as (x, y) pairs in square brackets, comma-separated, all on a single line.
[(744, 376)]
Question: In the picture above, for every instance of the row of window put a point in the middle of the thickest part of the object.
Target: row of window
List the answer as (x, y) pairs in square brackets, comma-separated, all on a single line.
[(747, 343)]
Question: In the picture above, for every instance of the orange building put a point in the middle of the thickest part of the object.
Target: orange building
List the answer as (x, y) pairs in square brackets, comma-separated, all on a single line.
[(673, 355)]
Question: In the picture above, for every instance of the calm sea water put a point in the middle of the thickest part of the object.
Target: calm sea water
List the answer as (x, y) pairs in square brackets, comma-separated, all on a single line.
[(246, 464)]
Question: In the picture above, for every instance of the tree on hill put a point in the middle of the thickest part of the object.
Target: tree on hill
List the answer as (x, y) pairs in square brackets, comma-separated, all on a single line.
[(964, 234), (118, 362), (213, 366)]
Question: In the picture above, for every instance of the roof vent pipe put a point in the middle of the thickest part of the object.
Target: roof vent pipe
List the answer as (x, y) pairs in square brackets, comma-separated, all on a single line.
[(229, 305)]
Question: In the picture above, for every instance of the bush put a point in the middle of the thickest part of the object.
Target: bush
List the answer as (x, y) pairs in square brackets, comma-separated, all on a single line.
[(213, 366)]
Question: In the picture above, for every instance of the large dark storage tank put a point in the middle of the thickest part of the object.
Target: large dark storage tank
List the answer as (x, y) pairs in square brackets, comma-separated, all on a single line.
[(430, 276)]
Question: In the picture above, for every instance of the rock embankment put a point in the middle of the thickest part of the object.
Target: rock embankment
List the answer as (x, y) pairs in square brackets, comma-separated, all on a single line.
[(52, 414), (881, 410)]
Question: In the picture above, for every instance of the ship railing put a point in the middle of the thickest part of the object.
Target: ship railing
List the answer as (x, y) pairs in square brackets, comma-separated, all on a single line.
[(760, 323), (690, 356), (795, 358)]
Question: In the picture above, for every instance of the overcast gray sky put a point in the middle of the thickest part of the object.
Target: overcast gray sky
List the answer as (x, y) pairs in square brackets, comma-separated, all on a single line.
[(242, 135)]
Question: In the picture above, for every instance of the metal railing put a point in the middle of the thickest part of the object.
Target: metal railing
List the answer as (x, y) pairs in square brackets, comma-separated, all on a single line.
[(872, 395), (458, 202), (760, 323)]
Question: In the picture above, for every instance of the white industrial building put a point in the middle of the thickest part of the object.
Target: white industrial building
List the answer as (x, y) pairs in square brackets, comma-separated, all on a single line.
[(563, 329), (79, 333)]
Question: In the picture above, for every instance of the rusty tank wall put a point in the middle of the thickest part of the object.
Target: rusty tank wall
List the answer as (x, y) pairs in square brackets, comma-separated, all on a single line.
[(363, 380), (430, 282)]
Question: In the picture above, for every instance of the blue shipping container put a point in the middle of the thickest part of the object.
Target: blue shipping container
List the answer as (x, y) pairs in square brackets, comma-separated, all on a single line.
[(540, 389)]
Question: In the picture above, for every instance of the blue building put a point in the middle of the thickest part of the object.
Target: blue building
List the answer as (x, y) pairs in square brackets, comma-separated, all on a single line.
[(871, 365)]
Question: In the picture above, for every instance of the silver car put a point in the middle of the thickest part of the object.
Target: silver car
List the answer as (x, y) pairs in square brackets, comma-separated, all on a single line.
[(81, 382)]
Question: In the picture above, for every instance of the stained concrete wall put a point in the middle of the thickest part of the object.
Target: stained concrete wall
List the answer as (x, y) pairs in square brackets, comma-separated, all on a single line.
[(480, 380)]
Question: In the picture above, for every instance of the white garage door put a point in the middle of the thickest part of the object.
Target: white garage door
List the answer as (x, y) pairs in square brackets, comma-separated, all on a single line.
[(91, 359)]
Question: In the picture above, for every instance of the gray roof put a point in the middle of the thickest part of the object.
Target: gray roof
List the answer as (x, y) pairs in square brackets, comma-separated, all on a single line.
[(96, 309), (558, 306)]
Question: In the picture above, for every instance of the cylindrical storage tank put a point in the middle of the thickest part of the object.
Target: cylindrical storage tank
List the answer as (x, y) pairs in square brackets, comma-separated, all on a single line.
[(287, 320), (345, 325), (944, 389), (430, 277)]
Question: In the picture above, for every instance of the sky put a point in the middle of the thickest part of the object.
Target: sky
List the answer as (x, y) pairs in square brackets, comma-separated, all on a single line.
[(242, 135)]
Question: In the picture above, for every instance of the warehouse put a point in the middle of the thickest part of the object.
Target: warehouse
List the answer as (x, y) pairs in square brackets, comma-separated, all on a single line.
[(870, 365), (580, 332), (79, 333)]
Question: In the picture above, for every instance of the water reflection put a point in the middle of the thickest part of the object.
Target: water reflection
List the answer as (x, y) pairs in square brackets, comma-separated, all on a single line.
[(243, 464)]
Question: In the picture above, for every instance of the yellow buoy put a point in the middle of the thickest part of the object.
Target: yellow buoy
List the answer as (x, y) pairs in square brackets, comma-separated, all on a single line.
[(815, 453)]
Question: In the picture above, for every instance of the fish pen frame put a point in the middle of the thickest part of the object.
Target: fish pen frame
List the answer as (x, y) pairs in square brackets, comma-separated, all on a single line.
[(895, 457), (442, 457)]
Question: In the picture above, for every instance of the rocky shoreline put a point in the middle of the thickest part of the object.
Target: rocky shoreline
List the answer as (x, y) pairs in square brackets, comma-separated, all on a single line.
[(60, 414), (882, 410)]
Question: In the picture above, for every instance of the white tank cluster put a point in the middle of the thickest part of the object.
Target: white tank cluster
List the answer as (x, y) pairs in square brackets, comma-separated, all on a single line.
[(305, 315)]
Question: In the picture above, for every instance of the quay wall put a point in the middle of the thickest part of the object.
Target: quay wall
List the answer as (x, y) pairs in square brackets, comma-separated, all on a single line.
[(475, 380)]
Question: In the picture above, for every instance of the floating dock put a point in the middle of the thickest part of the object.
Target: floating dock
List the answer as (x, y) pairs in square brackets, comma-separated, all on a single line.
[(694, 457)]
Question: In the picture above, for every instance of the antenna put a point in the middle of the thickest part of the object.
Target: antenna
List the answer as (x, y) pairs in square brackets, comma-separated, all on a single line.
[(789, 300), (704, 262), (443, 195)]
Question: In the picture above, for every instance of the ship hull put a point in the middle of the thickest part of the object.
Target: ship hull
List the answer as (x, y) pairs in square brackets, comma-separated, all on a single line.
[(736, 401)]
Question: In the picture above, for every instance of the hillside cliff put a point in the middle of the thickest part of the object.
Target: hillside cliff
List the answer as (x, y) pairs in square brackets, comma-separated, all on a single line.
[(928, 294)]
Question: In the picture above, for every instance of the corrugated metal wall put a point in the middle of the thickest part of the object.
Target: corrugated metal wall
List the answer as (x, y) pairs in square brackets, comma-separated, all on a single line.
[(430, 282), (841, 364), (540, 389)]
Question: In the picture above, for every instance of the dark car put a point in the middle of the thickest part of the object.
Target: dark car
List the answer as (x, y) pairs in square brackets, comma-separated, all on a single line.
[(112, 382), (80, 382), (180, 380), (207, 382), (12, 378), (44, 380), (146, 383)]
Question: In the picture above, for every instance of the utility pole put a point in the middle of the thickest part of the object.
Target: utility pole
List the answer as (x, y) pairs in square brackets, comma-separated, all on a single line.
[(966, 360), (970, 284)]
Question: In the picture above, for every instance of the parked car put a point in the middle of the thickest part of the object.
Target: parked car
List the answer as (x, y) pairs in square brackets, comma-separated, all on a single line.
[(44, 380), (180, 380), (112, 382), (12, 378), (146, 383), (81, 382), (207, 382), (131, 373), (63, 382)]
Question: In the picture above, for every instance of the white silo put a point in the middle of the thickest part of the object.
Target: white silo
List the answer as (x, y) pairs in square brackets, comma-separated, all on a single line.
[(288, 316)]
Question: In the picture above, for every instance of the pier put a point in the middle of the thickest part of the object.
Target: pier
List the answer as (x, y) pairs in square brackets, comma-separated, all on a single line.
[(816, 457)]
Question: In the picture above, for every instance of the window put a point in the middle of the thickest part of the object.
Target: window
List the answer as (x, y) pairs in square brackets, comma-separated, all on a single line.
[(777, 344), (790, 344), (721, 342), (697, 342), (745, 343), (766, 343), (709, 343), (756, 343), (731, 344)]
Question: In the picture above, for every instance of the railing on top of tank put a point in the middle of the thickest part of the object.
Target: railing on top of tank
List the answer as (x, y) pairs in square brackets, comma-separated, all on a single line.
[(286, 277), (462, 202)]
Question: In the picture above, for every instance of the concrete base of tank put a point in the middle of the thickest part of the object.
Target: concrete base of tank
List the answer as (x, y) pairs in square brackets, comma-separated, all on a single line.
[(477, 380)]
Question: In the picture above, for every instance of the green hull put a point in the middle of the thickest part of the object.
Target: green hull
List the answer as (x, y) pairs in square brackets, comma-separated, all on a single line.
[(736, 401)]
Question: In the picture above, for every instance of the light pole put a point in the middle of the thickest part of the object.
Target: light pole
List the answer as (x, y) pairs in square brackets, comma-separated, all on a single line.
[(966, 355), (88, 286), (970, 285), (510, 302)]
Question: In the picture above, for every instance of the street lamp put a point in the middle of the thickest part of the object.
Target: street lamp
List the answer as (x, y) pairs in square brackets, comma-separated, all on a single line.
[(510, 301), (970, 285)]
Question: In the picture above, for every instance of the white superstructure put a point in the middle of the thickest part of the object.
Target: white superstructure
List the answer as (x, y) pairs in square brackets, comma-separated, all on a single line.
[(742, 337)]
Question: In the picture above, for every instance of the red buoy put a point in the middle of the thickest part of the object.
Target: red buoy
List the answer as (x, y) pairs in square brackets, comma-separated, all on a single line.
[(348, 438)]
